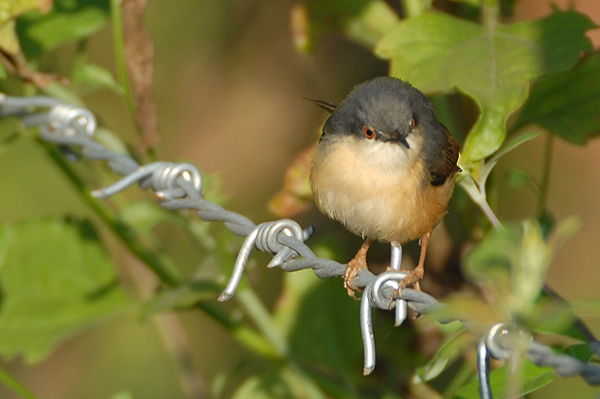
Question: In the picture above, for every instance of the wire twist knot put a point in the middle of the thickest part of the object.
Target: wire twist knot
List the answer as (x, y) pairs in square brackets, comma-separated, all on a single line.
[(162, 177), (69, 120), (163, 180)]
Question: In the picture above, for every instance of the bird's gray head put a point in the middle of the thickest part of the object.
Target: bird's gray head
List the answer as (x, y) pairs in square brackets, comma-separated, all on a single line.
[(383, 109)]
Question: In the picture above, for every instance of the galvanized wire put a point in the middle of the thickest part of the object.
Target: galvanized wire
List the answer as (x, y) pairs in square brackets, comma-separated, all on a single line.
[(179, 186)]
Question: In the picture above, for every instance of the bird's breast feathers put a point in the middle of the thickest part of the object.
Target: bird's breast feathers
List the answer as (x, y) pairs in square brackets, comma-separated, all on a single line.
[(376, 189)]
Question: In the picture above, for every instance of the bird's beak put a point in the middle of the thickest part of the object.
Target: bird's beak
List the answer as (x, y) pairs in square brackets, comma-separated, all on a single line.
[(396, 137)]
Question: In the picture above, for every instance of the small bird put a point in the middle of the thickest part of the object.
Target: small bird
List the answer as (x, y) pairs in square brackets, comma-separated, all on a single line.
[(385, 168)]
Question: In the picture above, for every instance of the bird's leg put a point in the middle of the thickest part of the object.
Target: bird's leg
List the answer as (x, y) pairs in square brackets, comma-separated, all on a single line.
[(354, 266), (415, 275)]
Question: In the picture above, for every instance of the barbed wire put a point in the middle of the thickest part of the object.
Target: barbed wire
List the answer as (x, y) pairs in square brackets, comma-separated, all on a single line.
[(179, 186)]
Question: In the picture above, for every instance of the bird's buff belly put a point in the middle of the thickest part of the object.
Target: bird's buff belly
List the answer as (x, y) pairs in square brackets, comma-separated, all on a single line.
[(379, 204)]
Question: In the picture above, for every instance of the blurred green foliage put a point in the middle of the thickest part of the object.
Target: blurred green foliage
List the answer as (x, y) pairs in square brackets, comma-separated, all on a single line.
[(58, 276)]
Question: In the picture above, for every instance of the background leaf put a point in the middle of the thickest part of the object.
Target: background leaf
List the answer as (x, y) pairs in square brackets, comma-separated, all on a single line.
[(56, 278), (533, 377), (11, 9), (491, 65), (566, 104), (68, 20)]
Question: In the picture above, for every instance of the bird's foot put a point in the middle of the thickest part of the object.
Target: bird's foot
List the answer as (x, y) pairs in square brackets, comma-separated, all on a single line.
[(354, 267), (413, 278)]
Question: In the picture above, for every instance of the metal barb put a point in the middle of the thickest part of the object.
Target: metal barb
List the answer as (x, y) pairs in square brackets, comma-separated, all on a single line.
[(396, 264), (366, 329), (378, 294), (483, 370), (265, 237)]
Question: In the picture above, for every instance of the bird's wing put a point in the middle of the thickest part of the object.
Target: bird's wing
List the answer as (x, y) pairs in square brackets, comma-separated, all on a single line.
[(445, 166)]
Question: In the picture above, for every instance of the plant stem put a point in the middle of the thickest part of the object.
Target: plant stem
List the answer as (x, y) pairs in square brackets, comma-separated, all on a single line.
[(476, 192), (242, 333), (548, 149), (490, 13), (413, 8), (160, 264), (487, 210), (255, 309), (117, 25), (15, 386), (461, 378)]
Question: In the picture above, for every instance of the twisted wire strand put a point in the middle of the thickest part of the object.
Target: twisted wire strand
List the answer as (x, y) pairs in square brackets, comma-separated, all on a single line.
[(179, 186)]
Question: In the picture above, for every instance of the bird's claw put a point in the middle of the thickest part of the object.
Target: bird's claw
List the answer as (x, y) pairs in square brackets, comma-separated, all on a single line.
[(352, 270), (413, 278)]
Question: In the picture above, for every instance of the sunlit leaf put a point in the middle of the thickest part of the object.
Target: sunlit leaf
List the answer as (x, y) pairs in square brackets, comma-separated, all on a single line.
[(13, 8), (181, 297), (9, 128), (55, 278), (567, 104), (95, 77), (278, 384), (491, 261), (122, 395), (9, 42), (513, 261), (492, 65), (532, 376), (69, 20), (474, 3), (451, 350), (506, 148), (144, 216)]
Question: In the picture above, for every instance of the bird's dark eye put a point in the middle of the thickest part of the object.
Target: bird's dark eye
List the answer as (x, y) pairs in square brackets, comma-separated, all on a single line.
[(368, 132), (412, 123)]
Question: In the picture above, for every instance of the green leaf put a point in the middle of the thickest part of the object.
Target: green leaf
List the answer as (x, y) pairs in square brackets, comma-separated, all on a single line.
[(13, 8), (491, 163), (55, 278), (282, 383), (9, 132), (122, 395), (582, 352), (182, 297), (513, 262), (69, 20), (364, 21), (450, 350), (95, 77), (474, 3), (533, 377), (9, 42), (566, 104), (493, 65), (338, 346), (143, 216), (518, 177)]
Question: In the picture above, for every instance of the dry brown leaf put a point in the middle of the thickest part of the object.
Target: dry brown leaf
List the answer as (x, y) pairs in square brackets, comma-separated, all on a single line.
[(139, 54)]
